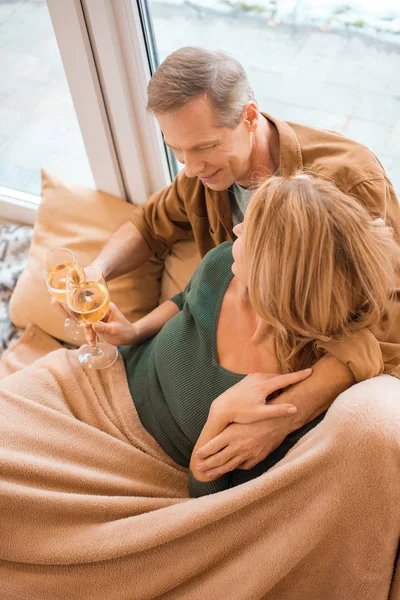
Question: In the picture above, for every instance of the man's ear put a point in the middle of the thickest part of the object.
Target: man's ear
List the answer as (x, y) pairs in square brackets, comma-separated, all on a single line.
[(250, 115)]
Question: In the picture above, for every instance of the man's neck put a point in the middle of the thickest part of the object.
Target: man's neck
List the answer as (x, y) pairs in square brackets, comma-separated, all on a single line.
[(264, 158)]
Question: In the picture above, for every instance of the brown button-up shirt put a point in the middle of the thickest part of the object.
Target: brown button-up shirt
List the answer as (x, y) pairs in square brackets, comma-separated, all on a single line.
[(187, 209)]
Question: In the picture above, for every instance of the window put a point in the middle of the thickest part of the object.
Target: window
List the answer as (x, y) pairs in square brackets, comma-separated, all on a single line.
[(308, 61), (39, 127), (331, 65)]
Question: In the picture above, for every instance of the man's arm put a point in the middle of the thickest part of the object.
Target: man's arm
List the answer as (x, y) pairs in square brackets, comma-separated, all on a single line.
[(377, 349), (125, 251), (154, 226), (312, 397), (379, 198)]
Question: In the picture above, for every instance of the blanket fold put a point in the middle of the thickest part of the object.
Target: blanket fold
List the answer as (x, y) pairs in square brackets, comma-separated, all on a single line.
[(92, 507), (30, 346)]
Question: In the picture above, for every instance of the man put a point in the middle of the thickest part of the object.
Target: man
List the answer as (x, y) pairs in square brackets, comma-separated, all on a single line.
[(209, 118)]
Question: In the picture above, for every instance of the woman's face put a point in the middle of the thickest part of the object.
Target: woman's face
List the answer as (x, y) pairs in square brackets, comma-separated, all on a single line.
[(239, 266)]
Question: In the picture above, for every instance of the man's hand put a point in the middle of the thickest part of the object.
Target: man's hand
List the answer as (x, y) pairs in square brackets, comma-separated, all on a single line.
[(241, 446), (60, 308)]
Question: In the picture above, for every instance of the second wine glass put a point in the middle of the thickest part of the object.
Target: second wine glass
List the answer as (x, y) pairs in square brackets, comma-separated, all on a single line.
[(55, 265), (88, 299)]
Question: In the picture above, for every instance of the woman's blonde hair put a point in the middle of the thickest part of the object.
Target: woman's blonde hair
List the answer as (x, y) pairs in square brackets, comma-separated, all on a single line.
[(319, 266)]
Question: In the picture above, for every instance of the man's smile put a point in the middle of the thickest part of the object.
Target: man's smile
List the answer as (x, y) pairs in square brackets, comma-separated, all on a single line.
[(203, 178)]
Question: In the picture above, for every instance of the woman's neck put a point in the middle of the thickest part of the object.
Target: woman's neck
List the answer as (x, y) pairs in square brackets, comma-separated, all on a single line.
[(261, 329)]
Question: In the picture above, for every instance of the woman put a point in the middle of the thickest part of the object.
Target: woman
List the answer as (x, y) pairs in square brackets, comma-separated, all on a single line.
[(308, 267), (94, 505)]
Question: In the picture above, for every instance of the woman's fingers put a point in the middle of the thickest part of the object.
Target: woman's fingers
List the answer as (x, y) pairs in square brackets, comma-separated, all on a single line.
[(110, 314), (282, 381), (90, 335), (273, 411), (102, 327), (261, 412)]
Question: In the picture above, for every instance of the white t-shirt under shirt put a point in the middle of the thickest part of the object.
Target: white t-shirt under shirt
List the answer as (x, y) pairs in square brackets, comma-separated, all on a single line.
[(239, 199)]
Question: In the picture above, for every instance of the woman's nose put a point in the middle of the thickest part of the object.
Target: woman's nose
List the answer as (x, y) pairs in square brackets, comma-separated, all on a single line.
[(237, 230)]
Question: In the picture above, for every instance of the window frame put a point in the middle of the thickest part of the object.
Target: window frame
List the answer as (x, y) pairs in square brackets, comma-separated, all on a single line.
[(107, 66), (120, 52)]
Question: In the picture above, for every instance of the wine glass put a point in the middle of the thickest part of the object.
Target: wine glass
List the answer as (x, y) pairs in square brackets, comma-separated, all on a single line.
[(55, 265), (88, 299)]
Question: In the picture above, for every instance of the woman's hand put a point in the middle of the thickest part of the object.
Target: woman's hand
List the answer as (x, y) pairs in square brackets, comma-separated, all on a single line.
[(115, 329), (241, 446), (243, 406), (245, 402)]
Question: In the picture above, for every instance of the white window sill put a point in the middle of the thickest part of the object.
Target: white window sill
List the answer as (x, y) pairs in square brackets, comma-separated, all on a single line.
[(18, 207)]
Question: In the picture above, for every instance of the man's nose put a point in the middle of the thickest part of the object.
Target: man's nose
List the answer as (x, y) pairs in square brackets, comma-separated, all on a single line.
[(193, 166)]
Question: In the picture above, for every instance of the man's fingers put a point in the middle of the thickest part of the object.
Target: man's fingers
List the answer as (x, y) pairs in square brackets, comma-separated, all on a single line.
[(282, 381), (59, 307), (249, 464), (216, 460), (226, 468), (212, 447)]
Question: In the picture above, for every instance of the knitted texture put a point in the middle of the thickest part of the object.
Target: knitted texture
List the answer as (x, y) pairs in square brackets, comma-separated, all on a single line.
[(175, 376)]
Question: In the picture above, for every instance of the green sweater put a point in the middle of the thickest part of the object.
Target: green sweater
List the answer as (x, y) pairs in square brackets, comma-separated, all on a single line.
[(174, 376)]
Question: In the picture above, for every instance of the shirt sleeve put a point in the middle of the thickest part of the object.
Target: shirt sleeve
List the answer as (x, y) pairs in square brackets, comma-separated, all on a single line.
[(370, 352), (361, 353), (162, 219), (179, 299), (379, 198)]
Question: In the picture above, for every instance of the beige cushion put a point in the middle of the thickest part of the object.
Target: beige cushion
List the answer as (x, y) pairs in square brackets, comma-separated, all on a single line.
[(83, 220)]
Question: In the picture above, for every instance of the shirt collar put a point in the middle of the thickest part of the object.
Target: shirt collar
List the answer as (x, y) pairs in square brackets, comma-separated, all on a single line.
[(290, 158)]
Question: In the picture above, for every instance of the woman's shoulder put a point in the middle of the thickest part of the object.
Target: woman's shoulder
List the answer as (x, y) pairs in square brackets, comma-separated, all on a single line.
[(221, 254), (215, 265)]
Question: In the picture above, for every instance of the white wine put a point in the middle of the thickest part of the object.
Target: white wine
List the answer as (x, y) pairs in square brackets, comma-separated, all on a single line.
[(89, 301), (56, 280)]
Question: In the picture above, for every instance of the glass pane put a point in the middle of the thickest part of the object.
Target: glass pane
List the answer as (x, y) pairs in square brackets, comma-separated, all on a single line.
[(323, 63), (39, 128)]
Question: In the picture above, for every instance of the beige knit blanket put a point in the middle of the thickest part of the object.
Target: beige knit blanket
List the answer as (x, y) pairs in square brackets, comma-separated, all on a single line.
[(92, 508)]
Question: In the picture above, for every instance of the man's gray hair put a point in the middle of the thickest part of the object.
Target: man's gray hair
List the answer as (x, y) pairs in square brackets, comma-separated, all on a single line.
[(191, 72)]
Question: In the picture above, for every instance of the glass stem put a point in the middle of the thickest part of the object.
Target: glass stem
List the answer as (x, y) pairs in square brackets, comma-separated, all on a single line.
[(71, 316), (96, 350)]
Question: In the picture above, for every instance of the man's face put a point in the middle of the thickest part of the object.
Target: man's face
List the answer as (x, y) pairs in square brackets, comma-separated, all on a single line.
[(218, 156)]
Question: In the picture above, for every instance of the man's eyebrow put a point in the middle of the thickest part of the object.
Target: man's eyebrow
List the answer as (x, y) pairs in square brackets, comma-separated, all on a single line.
[(199, 145)]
